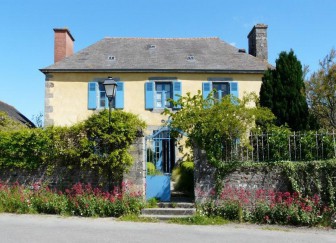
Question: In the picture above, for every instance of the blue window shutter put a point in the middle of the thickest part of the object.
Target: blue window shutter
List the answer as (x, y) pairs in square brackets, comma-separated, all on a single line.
[(119, 98), (107, 102), (234, 89), (206, 89), (177, 92), (149, 95), (92, 95)]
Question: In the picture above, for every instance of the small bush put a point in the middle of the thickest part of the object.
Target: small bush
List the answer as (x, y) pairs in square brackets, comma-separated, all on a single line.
[(152, 203), (184, 177), (150, 168)]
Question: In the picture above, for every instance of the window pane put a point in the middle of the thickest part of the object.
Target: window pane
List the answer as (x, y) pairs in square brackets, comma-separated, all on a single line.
[(159, 99), (158, 87), (167, 87), (224, 87)]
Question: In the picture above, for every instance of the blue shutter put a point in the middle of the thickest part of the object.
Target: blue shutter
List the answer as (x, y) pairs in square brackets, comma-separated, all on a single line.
[(206, 89), (107, 102), (149, 95), (177, 92), (119, 99), (92, 95), (234, 89)]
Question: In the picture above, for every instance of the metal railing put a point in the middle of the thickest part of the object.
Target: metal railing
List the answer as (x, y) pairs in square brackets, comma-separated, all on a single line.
[(295, 146)]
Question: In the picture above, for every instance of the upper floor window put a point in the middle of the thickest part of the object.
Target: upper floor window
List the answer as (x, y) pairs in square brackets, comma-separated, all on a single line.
[(158, 93), (220, 88), (163, 92), (97, 98)]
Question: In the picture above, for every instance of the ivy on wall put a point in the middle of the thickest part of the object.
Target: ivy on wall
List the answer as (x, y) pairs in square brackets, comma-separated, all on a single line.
[(307, 178)]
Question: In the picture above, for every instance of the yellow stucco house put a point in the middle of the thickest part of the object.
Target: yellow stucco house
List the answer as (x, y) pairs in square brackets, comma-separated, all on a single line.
[(148, 72)]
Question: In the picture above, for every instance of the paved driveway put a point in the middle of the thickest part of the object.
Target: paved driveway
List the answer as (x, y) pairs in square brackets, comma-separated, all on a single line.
[(45, 228)]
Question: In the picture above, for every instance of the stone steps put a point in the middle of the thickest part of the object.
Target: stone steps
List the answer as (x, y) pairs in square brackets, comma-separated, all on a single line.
[(168, 213), (175, 205)]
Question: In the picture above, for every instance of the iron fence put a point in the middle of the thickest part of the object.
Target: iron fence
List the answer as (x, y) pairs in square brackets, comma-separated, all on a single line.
[(289, 146)]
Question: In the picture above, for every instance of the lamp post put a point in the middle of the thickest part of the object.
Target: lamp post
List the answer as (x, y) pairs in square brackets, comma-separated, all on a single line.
[(110, 90)]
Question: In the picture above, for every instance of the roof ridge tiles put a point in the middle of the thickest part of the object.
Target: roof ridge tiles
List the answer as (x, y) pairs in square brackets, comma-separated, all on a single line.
[(163, 38)]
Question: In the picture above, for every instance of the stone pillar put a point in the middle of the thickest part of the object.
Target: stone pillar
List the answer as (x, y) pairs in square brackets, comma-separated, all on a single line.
[(204, 176), (135, 179)]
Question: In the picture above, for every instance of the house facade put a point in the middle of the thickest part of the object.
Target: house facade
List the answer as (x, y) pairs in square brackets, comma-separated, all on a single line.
[(149, 71)]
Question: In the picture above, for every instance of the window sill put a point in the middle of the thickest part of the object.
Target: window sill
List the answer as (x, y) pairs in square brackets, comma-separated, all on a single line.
[(160, 110)]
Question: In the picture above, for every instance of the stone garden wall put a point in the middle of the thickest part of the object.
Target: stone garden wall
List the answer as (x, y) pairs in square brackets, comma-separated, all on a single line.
[(63, 177), (243, 177)]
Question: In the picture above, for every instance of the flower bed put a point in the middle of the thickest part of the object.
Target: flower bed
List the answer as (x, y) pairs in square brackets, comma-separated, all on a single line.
[(261, 206), (79, 200)]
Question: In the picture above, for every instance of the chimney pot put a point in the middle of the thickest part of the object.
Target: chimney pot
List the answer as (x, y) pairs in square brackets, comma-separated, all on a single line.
[(63, 44)]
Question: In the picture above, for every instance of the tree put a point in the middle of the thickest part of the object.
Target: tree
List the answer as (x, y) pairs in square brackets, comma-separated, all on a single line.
[(321, 92), (283, 91), (108, 144), (216, 126)]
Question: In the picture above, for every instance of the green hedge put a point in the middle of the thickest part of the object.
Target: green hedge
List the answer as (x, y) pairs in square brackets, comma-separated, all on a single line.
[(93, 143)]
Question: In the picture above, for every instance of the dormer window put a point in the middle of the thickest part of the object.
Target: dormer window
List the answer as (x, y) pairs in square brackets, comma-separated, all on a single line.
[(190, 58)]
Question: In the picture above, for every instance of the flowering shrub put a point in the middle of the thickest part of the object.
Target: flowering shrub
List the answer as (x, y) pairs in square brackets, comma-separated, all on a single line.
[(290, 208), (79, 200), (268, 206)]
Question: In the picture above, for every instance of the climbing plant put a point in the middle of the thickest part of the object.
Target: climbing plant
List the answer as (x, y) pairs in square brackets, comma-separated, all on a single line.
[(213, 125)]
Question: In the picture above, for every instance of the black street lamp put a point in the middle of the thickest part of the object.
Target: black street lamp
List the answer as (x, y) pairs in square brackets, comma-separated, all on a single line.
[(110, 90)]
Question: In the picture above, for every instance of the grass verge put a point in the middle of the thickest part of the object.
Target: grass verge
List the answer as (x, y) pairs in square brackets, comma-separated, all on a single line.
[(199, 220), (136, 218)]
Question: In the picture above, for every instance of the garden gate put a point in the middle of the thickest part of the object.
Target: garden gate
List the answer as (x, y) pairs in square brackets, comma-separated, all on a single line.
[(160, 154)]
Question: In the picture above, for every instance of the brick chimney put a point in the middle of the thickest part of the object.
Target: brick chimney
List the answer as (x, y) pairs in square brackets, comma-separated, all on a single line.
[(63, 44), (257, 41)]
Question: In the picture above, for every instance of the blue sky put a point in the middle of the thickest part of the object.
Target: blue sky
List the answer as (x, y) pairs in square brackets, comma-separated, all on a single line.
[(26, 41)]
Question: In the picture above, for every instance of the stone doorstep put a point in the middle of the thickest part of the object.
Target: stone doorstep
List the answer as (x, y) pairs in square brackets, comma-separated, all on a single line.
[(169, 211), (176, 204), (164, 217)]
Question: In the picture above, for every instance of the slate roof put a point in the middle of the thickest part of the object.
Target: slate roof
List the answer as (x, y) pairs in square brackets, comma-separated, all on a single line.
[(160, 54), (15, 114)]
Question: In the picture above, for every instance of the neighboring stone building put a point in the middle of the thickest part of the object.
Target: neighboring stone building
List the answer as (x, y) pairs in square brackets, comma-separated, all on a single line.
[(148, 72), (15, 115)]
